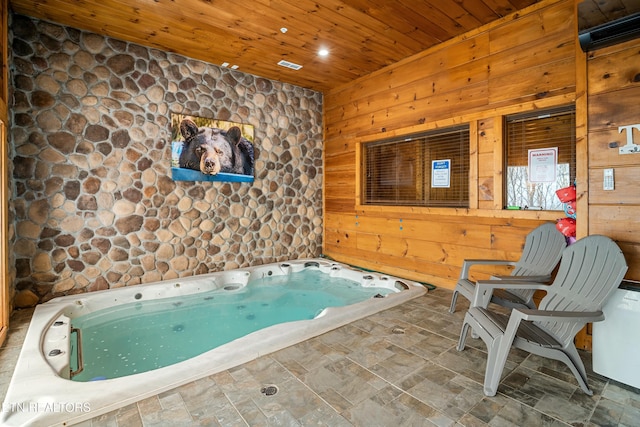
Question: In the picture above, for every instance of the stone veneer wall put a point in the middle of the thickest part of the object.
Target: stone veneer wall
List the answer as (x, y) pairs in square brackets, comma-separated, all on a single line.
[(94, 204)]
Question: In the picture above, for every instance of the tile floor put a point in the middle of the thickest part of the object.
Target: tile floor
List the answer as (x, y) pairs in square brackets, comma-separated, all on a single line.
[(395, 368)]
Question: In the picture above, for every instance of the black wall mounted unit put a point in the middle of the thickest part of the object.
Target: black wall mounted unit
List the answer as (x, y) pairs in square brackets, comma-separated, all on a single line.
[(610, 33)]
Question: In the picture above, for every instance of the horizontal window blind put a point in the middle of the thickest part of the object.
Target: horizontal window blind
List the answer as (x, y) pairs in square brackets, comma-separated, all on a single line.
[(549, 129), (398, 171)]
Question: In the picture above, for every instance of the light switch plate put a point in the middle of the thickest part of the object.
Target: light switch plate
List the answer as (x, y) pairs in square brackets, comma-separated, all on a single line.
[(608, 182)]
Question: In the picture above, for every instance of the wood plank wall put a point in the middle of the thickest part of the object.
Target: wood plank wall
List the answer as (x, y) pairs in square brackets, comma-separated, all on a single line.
[(613, 88), (520, 63)]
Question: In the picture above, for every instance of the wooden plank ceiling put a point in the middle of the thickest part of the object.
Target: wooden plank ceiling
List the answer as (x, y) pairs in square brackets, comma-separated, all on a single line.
[(597, 12), (361, 36)]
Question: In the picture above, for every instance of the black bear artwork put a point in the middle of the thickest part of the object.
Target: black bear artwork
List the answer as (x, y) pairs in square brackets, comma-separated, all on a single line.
[(213, 150)]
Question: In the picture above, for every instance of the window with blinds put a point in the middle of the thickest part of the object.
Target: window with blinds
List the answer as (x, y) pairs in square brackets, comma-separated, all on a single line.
[(427, 169), (540, 157)]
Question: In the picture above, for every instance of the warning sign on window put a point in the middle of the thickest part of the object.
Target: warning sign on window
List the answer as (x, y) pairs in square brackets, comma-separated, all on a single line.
[(440, 173), (542, 164)]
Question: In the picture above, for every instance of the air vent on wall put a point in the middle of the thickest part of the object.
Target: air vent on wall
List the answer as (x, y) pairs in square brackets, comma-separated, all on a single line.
[(288, 64), (610, 33)]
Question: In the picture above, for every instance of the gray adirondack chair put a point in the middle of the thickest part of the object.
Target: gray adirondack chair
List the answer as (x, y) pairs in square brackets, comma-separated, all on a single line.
[(590, 270), (542, 250)]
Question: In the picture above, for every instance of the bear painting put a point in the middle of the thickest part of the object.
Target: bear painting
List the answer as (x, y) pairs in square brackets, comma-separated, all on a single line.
[(214, 152)]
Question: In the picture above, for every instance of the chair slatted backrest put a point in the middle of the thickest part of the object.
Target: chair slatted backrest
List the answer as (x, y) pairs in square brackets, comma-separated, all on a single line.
[(542, 250), (590, 270)]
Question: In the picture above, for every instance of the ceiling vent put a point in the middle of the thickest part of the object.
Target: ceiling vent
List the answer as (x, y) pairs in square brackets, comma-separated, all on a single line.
[(610, 33), (288, 64)]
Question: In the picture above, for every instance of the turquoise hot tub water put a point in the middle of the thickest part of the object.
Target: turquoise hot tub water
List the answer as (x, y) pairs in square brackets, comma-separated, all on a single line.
[(145, 335)]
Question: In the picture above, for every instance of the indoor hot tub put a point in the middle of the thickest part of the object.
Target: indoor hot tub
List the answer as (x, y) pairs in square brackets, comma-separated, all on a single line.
[(85, 355)]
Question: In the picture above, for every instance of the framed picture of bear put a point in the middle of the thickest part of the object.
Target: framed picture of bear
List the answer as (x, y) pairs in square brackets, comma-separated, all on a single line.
[(205, 149)]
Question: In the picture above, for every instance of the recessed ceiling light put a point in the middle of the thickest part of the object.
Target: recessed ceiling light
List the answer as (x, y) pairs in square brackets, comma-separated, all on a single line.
[(225, 64), (234, 67), (283, 30), (323, 52)]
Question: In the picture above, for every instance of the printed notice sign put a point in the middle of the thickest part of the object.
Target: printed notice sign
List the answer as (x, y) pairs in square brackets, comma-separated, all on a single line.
[(440, 173), (542, 164)]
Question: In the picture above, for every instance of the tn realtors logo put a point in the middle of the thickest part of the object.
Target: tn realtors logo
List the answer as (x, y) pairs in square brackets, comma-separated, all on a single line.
[(46, 407)]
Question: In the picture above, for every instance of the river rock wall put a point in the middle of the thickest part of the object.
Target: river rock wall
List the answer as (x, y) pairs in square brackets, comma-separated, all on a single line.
[(94, 205)]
